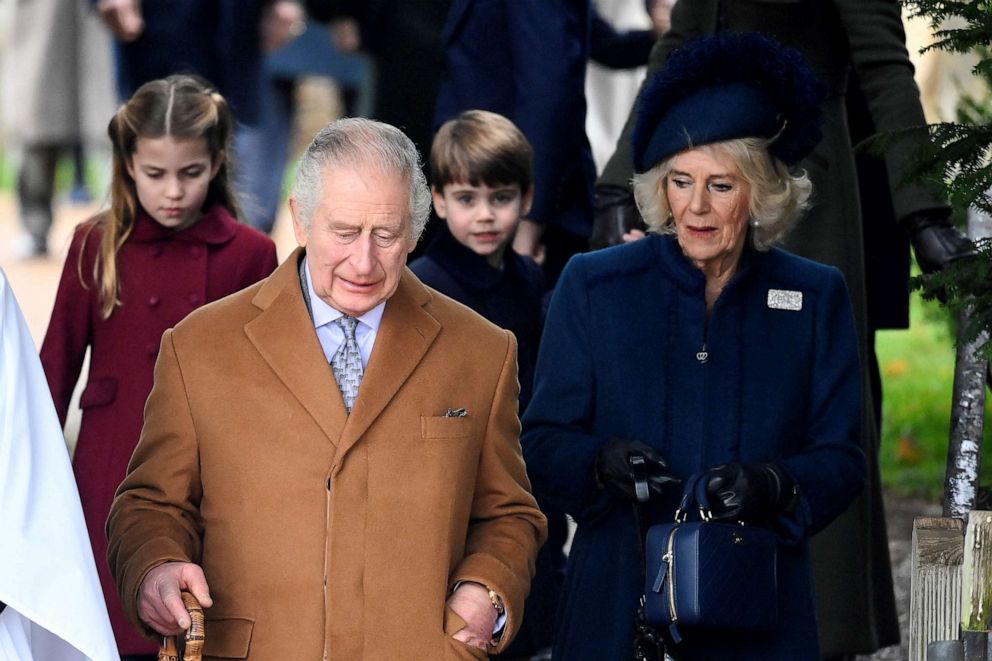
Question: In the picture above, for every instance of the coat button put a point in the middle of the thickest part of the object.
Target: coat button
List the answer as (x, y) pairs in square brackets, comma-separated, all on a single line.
[(195, 251), (153, 301), (151, 349), (194, 299), (157, 251)]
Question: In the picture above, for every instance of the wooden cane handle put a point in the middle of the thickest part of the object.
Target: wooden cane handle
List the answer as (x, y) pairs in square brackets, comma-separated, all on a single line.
[(169, 650)]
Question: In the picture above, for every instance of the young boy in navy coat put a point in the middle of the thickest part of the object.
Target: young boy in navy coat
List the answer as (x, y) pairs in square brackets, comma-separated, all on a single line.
[(482, 183)]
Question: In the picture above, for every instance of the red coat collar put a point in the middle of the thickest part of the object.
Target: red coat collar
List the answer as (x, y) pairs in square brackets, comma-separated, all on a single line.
[(216, 226)]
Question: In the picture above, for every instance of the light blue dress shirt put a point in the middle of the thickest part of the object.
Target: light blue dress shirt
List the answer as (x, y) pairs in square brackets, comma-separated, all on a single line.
[(330, 334)]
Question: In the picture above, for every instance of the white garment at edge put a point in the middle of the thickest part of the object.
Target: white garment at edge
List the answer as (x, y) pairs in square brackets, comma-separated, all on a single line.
[(55, 609)]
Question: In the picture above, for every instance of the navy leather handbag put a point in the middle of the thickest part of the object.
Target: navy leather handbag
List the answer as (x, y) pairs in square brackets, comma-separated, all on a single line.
[(717, 575)]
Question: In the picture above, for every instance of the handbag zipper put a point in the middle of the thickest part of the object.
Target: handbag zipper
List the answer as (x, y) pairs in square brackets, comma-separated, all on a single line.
[(672, 611)]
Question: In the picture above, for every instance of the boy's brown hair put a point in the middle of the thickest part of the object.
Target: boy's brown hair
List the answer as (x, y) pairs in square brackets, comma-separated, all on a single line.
[(481, 147)]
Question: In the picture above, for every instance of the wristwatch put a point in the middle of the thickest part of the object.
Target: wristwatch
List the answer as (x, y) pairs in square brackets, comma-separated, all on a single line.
[(497, 603), (496, 600)]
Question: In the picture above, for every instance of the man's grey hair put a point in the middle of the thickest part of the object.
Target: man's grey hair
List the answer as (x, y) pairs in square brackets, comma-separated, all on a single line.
[(355, 142)]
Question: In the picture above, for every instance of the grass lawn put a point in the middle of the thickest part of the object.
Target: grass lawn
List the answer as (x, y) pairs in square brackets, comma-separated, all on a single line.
[(918, 375)]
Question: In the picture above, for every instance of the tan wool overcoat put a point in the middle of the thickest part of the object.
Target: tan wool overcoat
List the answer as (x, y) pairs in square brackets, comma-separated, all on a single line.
[(325, 535)]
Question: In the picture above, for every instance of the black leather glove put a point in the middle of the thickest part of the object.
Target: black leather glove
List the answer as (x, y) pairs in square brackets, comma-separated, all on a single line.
[(621, 462), (616, 214), (750, 492), (936, 241)]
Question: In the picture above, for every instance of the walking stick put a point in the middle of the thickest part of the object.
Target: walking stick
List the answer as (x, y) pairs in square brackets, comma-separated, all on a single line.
[(193, 648)]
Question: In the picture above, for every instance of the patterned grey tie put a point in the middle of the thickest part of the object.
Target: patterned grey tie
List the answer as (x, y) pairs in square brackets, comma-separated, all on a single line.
[(347, 362)]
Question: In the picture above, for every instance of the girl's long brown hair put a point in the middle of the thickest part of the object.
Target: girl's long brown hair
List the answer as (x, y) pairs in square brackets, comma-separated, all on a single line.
[(182, 107)]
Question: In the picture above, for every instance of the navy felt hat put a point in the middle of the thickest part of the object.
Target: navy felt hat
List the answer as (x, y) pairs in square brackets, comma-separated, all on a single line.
[(728, 86)]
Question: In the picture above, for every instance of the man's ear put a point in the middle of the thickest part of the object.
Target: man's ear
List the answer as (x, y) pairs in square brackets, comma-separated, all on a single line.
[(302, 236), (528, 199), (440, 207)]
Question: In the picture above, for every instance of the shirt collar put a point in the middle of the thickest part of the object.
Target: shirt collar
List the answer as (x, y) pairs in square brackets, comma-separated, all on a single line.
[(324, 314)]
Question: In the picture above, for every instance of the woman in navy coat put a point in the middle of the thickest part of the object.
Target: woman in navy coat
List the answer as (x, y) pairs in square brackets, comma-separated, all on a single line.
[(704, 349)]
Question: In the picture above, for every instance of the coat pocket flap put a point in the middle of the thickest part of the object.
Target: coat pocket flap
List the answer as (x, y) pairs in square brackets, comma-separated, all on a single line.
[(98, 392), (445, 427), (227, 637)]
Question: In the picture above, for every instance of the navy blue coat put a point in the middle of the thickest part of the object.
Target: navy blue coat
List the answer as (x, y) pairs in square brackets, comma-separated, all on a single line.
[(618, 358), (527, 61), (510, 298), (216, 39)]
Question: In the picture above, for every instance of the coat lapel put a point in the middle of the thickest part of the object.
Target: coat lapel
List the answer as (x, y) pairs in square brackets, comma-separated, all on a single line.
[(284, 336), (405, 334)]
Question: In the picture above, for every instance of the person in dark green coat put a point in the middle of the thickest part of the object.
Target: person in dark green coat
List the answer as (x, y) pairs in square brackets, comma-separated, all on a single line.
[(855, 601)]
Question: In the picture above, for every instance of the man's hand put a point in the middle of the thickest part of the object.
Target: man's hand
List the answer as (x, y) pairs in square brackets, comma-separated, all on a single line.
[(123, 17), (471, 602), (282, 21), (159, 603), (527, 241), (661, 15)]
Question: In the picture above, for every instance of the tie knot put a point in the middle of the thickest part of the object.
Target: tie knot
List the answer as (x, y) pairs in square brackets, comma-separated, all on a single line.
[(347, 325)]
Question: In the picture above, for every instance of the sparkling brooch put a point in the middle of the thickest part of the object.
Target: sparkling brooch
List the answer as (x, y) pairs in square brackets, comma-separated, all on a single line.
[(785, 299)]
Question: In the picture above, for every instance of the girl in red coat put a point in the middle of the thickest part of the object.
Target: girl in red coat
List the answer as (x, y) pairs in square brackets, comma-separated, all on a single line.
[(169, 243)]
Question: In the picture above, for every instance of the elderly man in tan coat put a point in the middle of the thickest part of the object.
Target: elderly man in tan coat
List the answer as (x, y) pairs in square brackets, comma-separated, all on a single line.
[(330, 459)]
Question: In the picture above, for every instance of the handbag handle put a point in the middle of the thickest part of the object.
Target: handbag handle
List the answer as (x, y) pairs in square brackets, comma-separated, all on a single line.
[(195, 635), (693, 493)]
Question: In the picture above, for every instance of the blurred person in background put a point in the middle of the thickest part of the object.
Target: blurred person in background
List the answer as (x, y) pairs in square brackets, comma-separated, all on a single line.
[(58, 92), (224, 42)]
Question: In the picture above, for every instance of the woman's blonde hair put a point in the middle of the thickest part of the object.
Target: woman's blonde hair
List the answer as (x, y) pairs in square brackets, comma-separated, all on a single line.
[(183, 107), (777, 200)]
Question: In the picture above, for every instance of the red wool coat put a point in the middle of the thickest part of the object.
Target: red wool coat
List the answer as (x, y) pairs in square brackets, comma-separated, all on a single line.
[(164, 276)]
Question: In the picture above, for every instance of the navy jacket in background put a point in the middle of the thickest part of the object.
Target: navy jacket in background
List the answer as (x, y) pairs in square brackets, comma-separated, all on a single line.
[(527, 61)]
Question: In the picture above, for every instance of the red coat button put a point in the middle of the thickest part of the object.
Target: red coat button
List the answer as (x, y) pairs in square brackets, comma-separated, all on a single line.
[(151, 349), (194, 299), (153, 301)]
